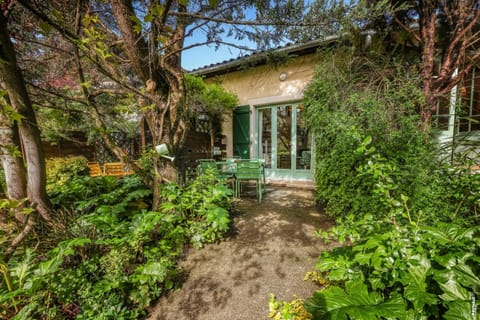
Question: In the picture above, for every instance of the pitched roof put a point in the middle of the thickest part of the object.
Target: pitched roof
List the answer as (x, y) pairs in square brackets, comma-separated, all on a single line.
[(260, 57)]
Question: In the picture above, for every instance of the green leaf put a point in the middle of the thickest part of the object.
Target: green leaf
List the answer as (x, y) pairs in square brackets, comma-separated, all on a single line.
[(378, 257), (156, 270), (466, 276), (452, 291), (458, 310), (367, 140), (353, 303), (49, 266), (137, 24), (415, 281), (363, 258)]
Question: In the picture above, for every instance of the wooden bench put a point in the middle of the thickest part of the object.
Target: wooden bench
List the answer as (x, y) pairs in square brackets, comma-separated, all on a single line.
[(95, 169), (117, 169)]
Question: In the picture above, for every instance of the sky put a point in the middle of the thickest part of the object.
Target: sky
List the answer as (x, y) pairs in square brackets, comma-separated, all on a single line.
[(205, 55), (202, 56)]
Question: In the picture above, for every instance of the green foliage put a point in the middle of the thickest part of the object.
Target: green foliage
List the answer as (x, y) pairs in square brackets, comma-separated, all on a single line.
[(84, 194), (400, 269), (10, 226), (461, 187), (371, 123), (204, 204), (3, 183), (283, 310), (61, 170), (119, 256), (403, 264), (211, 98), (409, 221)]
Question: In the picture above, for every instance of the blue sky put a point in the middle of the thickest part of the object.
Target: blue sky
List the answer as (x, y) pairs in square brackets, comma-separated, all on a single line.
[(205, 55)]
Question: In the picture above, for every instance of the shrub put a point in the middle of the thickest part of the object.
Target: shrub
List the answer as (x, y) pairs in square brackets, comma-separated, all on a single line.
[(120, 256), (284, 310), (410, 222), (204, 204), (400, 265), (60, 170), (400, 268), (360, 113)]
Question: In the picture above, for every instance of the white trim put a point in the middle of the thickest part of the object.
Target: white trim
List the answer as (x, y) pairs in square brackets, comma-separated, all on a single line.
[(453, 105), (265, 101), (261, 102)]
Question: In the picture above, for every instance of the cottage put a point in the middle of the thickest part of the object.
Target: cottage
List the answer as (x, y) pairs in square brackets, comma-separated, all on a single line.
[(269, 123)]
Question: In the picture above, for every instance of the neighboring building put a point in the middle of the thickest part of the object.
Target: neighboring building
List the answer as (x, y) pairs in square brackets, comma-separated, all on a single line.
[(457, 119), (270, 121)]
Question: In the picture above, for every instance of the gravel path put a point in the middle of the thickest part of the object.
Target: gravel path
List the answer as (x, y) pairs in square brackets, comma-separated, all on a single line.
[(269, 250)]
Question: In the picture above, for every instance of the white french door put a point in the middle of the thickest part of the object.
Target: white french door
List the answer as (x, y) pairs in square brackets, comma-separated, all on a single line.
[(284, 142)]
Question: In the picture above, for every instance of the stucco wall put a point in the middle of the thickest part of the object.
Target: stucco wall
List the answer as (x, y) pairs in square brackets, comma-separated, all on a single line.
[(262, 86)]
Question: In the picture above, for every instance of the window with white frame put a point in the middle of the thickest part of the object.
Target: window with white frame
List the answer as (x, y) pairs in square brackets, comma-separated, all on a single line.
[(468, 113)]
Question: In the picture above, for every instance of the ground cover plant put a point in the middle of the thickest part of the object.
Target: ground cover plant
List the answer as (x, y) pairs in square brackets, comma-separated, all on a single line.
[(400, 266), (408, 222), (110, 256)]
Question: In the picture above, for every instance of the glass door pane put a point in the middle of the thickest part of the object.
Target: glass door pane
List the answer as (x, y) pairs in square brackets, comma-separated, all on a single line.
[(303, 138), (284, 136), (265, 133)]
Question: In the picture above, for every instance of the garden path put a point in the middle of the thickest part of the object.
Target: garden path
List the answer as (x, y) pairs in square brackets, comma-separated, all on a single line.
[(269, 249)]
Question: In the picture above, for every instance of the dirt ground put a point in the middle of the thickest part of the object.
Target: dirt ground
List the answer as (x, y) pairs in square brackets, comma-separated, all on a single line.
[(269, 249)]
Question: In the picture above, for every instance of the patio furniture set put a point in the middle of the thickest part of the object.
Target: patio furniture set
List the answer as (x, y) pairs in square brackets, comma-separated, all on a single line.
[(234, 171), (237, 171)]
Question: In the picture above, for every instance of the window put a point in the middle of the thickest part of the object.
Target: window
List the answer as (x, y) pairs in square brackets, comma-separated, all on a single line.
[(467, 111), (468, 117), (442, 115)]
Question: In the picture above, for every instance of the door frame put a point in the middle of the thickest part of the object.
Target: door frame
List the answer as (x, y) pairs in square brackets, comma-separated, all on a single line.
[(281, 174)]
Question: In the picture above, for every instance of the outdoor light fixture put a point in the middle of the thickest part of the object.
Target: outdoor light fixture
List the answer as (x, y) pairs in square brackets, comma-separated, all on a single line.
[(162, 151), (283, 76)]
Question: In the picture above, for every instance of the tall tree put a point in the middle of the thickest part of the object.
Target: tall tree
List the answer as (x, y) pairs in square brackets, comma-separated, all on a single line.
[(29, 134), (445, 34), (138, 45)]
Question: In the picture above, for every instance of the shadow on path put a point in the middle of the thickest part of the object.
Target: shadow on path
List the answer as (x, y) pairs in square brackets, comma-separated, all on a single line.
[(269, 249)]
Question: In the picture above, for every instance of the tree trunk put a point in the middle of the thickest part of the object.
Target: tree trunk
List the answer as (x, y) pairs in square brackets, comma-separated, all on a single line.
[(12, 163), (13, 82), (427, 31), (164, 84)]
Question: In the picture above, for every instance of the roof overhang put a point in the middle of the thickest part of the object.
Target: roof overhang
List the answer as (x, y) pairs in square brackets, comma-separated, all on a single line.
[(260, 58)]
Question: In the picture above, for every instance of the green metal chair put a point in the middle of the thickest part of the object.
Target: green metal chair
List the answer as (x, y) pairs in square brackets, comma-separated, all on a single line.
[(250, 170), (218, 169)]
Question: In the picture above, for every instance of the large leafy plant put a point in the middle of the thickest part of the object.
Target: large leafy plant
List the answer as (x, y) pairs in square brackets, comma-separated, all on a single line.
[(408, 223), (399, 265), (408, 271), (117, 256), (61, 170)]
